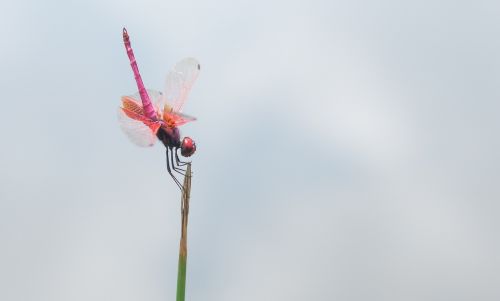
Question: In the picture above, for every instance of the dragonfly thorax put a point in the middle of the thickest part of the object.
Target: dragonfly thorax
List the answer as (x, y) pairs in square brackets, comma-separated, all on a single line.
[(170, 137)]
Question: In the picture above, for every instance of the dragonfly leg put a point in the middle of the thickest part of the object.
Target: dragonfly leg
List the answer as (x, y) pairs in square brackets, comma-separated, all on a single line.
[(171, 174), (179, 162), (175, 168)]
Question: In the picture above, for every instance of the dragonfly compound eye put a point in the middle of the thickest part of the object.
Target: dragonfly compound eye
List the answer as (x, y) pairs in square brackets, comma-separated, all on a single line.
[(188, 147)]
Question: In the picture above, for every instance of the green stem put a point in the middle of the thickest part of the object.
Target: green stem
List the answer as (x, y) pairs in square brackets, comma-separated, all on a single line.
[(181, 278), (181, 273)]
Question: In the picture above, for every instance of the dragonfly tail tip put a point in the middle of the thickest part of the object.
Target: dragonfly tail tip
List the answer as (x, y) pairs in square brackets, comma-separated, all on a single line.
[(125, 35)]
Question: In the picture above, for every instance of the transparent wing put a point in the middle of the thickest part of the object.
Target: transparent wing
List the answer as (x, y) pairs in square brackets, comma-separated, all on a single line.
[(183, 119), (156, 98), (179, 82), (176, 119), (138, 128)]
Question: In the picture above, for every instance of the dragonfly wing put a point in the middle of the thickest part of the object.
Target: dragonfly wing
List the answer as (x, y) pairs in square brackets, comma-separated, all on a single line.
[(156, 98), (177, 119), (179, 82), (140, 130), (131, 104)]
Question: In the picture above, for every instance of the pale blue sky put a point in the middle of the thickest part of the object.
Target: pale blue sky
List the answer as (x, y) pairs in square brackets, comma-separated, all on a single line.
[(346, 151)]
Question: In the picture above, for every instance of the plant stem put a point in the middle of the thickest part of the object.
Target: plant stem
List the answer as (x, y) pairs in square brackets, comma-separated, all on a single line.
[(181, 273)]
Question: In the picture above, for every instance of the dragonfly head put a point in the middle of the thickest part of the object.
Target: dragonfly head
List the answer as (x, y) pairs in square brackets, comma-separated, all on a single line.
[(188, 147)]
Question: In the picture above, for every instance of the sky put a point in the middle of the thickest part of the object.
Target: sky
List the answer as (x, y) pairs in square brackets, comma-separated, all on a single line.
[(346, 150)]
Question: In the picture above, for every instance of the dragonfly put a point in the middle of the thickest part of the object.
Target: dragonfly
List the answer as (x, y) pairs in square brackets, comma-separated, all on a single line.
[(149, 115)]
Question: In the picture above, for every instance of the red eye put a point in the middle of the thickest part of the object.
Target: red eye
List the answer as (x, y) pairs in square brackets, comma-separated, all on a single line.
[(188, 147)]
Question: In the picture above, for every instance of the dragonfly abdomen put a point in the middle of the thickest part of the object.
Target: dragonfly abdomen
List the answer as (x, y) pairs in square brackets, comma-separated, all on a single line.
[(149, 111)]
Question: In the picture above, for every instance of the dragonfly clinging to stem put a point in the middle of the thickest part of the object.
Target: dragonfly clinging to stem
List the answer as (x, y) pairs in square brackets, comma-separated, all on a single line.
[(150, 115)]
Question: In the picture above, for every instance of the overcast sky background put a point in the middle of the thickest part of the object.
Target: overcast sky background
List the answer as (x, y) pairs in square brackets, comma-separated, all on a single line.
[(346, 151)]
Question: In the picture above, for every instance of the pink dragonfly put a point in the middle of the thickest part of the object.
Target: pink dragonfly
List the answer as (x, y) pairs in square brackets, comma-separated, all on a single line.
[(150, 115)]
